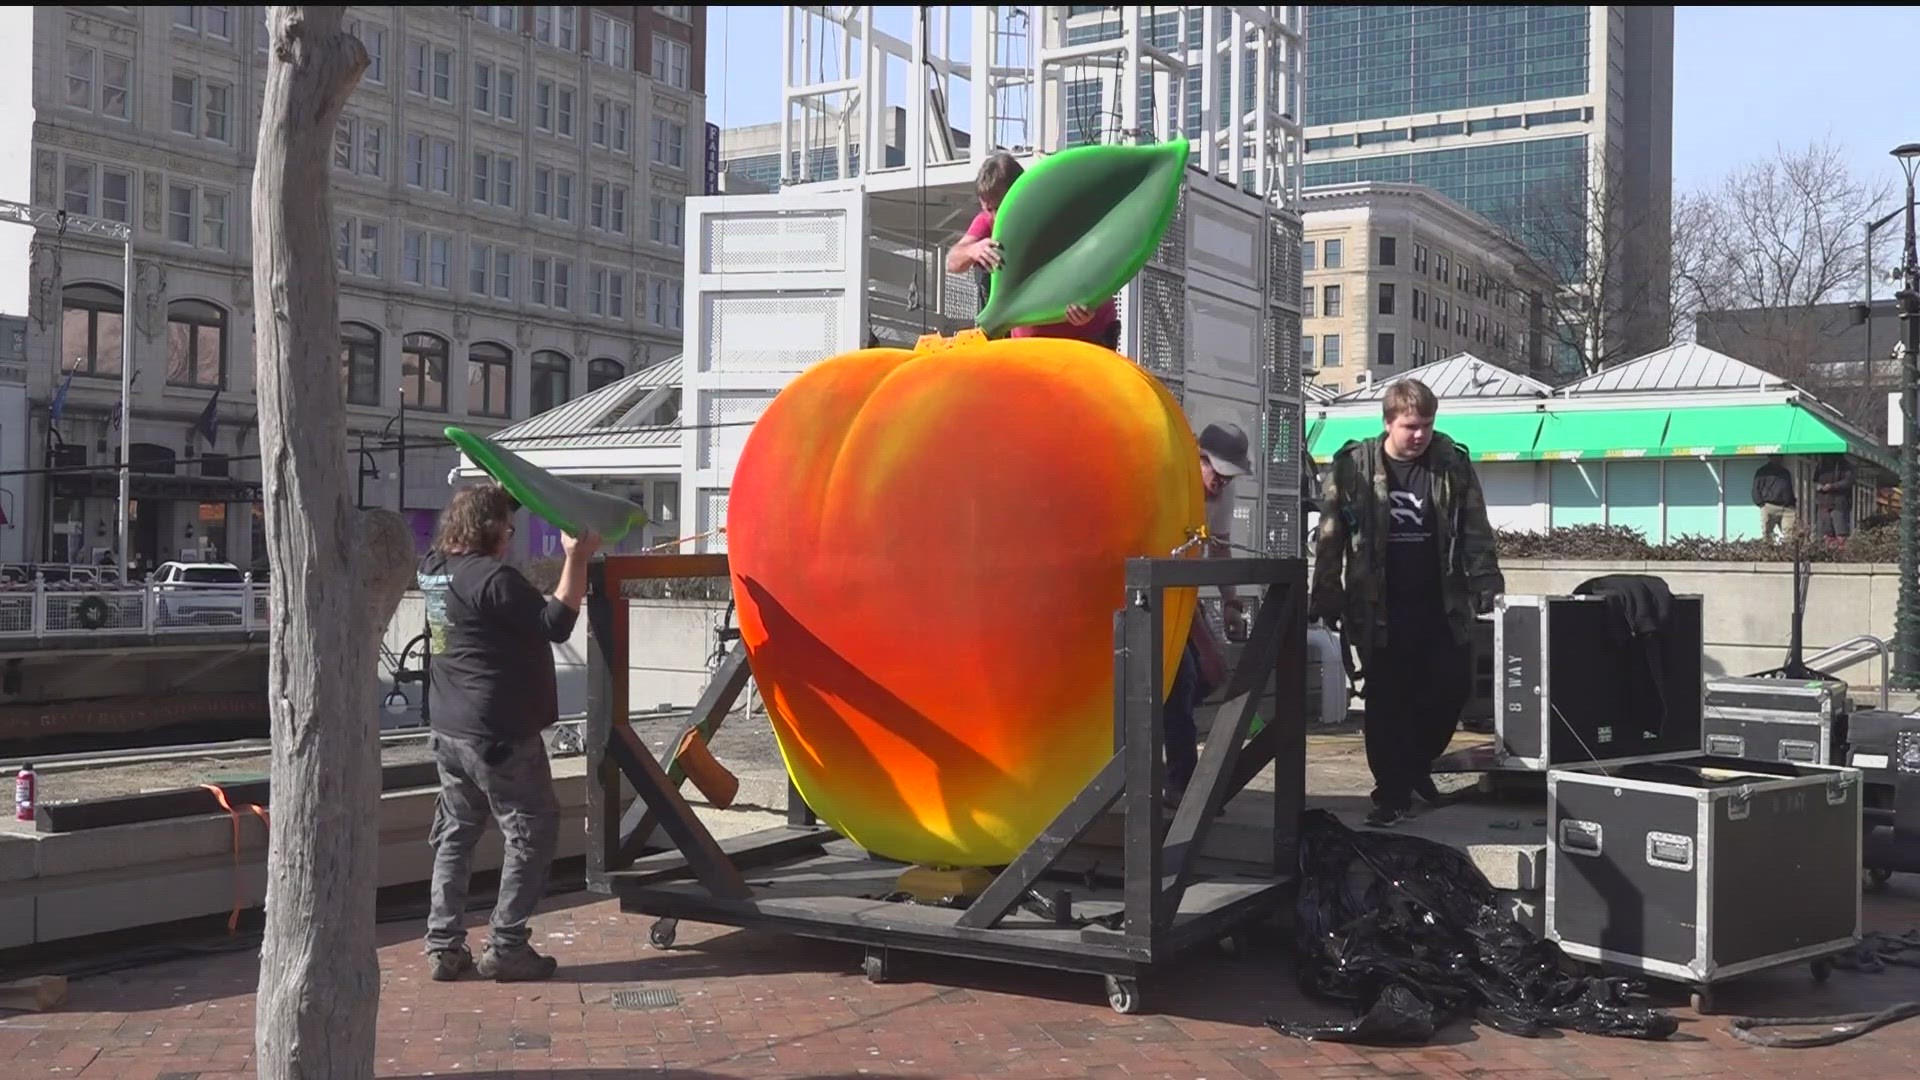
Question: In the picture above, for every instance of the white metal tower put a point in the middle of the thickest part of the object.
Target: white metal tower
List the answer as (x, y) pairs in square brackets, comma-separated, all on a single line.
[(887, 114)]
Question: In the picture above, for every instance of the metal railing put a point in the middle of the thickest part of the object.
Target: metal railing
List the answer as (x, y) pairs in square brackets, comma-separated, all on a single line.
[(40, 610), (1852, 651)]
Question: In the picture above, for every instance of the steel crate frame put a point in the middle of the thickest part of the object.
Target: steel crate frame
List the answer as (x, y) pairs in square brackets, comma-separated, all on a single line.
[(1173, 896)]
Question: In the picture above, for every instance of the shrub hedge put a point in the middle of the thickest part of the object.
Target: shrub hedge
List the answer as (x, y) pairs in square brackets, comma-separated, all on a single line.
[(1876, 541)]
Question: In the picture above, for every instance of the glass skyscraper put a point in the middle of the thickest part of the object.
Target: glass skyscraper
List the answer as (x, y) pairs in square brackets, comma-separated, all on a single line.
[(1517, 112)]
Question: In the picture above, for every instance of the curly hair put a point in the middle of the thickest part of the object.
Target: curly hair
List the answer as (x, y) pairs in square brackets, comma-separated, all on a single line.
[(476, 521)]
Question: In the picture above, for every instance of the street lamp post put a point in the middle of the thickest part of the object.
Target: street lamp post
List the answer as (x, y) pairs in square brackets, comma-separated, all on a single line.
[(1907, 618)]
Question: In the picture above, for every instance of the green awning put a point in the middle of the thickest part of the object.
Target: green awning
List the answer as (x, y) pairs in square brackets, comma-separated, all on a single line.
[(1494, 436), (1605, 433), (1750, 431), (1329, 435)]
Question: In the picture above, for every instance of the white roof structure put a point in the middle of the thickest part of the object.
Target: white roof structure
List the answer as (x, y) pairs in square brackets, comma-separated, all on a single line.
[(626, 429), (1316, 392), (1463, 375), (1678, 367)]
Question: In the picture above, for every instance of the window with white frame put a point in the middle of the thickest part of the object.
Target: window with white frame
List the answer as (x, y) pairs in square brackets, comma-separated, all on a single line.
[(186, 105), (219, 111), (667, 295), (419, 67), (440, 166), (416, 174), (562, 195), (360, 146), (597, 127), (373, 37), (557, 26), (213, 20), (99, 82), (670, 61), (443, 75), (617, 209), (482, 176), (597, 204), (506, 95), (607, 293), (202, 108), (427, 259), (666, 218), (612, 41), (543, 105), (180, 213), (214, 219), (682, 12), (356, 248), (622, 127), (499, 16), (504, 168), (669, 143), (482, 89), (550, 282), (97, 191), (563, 112), (490, 271)]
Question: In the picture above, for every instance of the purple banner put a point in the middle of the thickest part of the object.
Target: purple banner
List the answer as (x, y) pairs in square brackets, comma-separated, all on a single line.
[(713, 159), (422, 522)]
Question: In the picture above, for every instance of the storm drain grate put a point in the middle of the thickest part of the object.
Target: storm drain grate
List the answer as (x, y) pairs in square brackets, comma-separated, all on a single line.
[(646, 998)]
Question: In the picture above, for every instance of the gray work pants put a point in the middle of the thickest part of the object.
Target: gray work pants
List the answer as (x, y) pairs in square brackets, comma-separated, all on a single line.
[(516, 790)]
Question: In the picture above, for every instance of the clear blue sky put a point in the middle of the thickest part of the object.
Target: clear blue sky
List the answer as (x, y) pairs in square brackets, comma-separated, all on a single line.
[(1744, 80)]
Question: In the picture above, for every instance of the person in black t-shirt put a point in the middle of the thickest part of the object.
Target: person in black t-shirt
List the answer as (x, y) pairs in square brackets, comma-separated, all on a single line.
[(493, 690), (1405, 559)]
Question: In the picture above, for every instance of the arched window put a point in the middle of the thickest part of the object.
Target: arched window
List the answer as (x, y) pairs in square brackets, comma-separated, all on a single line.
[(423, 372), (603, 371), (552, 380), (90, 330), (489, 380), (196, 344), (360, 363)]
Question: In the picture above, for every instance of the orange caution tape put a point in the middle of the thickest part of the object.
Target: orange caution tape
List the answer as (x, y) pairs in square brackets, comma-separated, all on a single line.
[(239, 894)]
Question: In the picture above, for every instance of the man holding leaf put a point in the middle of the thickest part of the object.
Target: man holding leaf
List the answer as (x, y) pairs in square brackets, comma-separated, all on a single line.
[(1099, 325)]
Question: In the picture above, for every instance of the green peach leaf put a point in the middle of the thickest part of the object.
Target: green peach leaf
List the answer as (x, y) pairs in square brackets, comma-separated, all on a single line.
[(567, 506), (1076, 227)]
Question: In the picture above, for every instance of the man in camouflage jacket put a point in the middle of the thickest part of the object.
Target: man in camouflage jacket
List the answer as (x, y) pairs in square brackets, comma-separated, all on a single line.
[(1405, 560)]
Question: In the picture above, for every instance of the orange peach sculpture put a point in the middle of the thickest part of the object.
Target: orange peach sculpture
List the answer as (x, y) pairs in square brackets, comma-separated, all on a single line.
[(927, 549)]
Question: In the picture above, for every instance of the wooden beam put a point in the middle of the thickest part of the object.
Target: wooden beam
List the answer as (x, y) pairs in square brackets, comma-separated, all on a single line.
[(621, 568)]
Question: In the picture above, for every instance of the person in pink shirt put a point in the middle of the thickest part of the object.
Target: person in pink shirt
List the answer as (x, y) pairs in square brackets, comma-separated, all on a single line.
[(1100, 325)]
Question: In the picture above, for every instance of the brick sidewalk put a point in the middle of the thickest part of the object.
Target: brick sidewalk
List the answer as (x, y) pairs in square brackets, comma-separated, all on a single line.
[(761, 1005)]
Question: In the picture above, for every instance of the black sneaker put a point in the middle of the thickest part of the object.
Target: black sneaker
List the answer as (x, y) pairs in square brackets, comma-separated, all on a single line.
[(1385, 817), (447, 965), (1428, 793)]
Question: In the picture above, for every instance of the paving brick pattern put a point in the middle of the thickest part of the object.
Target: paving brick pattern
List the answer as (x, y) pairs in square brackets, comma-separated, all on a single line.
[(764, 1005)]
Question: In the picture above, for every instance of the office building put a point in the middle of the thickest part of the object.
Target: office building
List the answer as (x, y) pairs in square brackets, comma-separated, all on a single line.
[(1534, 116), (1396, 276), (508, 184)]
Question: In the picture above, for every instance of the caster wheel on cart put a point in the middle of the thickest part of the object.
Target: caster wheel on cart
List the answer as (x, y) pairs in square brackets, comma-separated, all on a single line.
[(1702, 1001), (1822, 970), (661, 935), (1123, 994), (1877, 879), (877, 967)]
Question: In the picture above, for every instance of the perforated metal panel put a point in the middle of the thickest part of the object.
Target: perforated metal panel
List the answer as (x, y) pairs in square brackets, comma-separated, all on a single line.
[(1283, 354), (768, 332), (713, 515), (770, 243), (1283, 445), (726, 418), (1163, 324), (1283, 528), (1283, 261), (1172, 252)]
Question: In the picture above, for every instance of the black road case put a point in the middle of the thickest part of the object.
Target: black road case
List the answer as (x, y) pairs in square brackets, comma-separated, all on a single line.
[(1885, 747), (1570, 689), (1765, 719), (1701, 869)]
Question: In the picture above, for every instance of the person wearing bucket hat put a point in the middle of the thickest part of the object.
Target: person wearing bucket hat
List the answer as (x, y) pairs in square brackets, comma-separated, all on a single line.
[(1223, 458)]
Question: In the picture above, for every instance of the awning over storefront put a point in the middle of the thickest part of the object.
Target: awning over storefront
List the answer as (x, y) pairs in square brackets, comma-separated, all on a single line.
[(1488, 436), (105, 484), (1602, 433), (1756, 430)]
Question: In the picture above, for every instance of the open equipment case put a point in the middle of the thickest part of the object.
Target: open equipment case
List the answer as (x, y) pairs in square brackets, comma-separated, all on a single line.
[(1114, 887)]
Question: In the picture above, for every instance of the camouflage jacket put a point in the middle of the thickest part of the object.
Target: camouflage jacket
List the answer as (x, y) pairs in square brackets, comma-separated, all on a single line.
[(1350, 553)]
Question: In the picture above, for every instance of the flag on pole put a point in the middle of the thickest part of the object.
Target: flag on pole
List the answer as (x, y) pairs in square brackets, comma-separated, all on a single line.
[(60, 397), (209, 423)]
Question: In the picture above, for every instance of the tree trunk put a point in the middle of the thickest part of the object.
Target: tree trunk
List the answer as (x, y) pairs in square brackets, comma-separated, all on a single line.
[(337, 574)]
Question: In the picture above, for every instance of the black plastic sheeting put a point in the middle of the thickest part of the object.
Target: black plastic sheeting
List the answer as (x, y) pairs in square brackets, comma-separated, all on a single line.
[(1409, 934)]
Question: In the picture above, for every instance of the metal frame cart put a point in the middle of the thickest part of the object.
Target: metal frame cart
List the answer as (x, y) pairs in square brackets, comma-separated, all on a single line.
[(1161, 894)]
